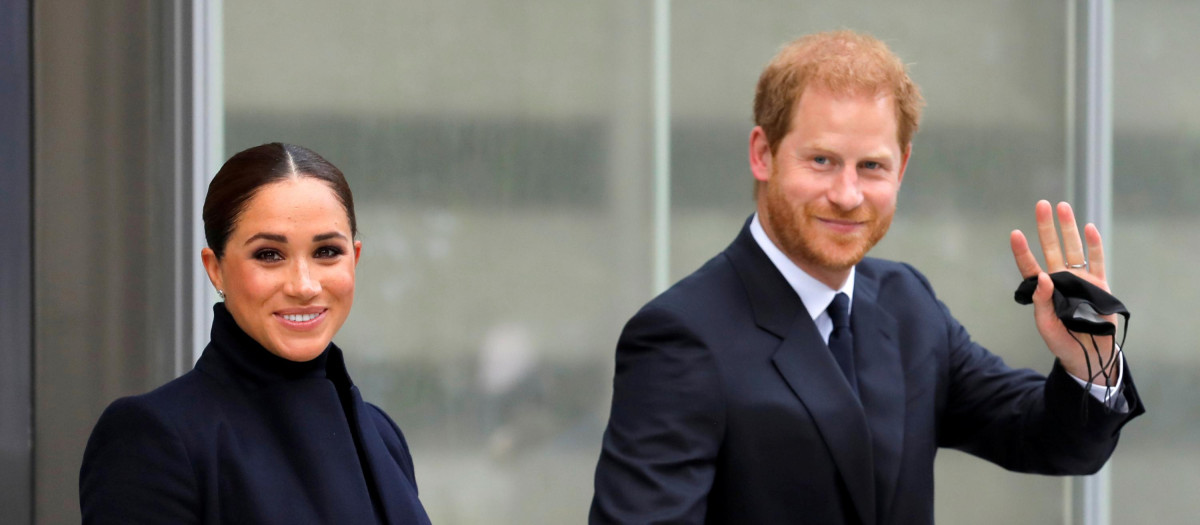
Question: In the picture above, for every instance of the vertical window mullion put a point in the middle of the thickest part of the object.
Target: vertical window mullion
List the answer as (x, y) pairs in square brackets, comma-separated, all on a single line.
[(1090, 181)]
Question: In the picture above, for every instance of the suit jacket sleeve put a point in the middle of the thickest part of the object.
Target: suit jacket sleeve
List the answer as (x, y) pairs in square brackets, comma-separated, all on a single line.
[(658, 457), (1019, 419), (136, 470)]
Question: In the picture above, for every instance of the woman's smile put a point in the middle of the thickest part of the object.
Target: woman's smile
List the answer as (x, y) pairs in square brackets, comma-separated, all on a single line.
[(302, 319)]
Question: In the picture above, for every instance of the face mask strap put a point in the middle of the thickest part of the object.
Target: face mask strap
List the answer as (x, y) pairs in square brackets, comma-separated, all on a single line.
[(1117, 354), (1108, 368), (1091, 378)]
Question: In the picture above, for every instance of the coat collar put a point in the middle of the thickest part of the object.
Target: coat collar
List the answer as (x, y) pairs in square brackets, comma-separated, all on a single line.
[(320, 413), (864, 434), (232, 355)]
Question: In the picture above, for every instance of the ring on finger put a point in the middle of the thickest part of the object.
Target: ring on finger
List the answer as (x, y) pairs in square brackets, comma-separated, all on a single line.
[(1077, 266)]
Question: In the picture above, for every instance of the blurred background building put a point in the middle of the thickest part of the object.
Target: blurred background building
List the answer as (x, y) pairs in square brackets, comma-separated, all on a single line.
[(528, 173)]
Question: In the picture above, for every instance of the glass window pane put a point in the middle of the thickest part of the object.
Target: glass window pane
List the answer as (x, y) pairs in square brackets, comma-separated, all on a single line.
[(500, 157), (1156, 148)]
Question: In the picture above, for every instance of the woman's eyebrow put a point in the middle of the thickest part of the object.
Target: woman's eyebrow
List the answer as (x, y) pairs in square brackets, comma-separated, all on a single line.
[(327, 236), (268, 236)]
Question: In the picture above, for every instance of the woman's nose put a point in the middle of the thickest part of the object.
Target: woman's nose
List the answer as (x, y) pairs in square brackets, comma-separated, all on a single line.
[(302, 283)]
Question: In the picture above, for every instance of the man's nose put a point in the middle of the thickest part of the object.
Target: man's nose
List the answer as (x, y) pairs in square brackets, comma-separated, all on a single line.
[(844, 192)]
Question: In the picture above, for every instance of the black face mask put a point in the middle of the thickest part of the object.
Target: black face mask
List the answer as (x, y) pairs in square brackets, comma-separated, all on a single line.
[(1080, 305)]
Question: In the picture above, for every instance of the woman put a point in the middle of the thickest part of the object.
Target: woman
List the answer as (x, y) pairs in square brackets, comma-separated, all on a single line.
[(268, 427)]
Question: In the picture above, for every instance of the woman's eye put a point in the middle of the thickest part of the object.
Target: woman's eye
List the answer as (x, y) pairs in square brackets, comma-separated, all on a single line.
[(328, 252), (268, 255)]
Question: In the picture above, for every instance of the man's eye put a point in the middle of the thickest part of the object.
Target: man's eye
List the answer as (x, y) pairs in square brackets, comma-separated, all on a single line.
[(872, 165), (327, 252), (821, 160), (268, 255)]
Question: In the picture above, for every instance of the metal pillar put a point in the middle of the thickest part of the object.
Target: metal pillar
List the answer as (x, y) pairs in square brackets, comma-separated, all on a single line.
[(113, 207), (662, 144), (206, 139), (16, 264), (1090, 128)]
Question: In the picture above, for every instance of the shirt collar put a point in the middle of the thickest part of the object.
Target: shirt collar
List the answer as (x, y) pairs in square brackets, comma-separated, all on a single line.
[(815, 295)]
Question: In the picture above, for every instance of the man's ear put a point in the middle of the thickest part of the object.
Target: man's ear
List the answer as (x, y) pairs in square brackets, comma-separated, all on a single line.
[(904, 163), (760, 154), (212, 267)]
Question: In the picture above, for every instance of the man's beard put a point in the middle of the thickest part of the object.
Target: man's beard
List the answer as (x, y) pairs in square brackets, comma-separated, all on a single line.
[(802, 239)]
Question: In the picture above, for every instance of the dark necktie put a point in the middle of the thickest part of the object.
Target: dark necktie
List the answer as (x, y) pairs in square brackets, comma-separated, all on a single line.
[(841, 342)]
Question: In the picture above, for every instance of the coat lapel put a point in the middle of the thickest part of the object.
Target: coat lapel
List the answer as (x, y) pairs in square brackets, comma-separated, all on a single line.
[(394, 493), (805, 363), (397, 494), (880, 383)]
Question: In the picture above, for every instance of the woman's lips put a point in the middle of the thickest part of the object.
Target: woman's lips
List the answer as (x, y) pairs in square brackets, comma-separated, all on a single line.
[(301, 318)]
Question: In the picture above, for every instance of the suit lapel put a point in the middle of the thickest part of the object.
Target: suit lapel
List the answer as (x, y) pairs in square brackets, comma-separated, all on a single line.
[(805, 363), (880, 383), (810, 370)]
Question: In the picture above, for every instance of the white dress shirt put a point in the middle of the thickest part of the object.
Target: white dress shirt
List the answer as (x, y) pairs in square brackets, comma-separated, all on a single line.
[(816, 297)]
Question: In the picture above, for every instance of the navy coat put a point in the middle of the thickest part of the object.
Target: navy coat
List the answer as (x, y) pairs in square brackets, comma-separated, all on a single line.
[(729, 408), (249, 437)]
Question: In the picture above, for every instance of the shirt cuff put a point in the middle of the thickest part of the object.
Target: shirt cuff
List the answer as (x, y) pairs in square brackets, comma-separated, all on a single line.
[(1110, 395)]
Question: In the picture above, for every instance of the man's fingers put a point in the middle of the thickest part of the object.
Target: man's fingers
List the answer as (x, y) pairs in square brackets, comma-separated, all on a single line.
[(1095, 252), (1048, 236), (1072, 243), (1045, 289), (1043, 307), (1026, 263)]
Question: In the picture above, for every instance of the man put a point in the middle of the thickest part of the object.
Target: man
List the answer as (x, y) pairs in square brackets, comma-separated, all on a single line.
[(792, 380)]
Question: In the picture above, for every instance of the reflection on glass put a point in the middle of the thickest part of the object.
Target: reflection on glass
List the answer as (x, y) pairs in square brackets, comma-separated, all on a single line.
[(500, 157), (1156, 148)]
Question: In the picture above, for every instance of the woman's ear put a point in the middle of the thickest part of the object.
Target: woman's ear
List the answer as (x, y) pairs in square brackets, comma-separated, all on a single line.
[(212, 266)]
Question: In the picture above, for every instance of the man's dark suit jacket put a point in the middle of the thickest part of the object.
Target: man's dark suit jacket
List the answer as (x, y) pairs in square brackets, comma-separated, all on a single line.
[(728, 407), (248, 437)]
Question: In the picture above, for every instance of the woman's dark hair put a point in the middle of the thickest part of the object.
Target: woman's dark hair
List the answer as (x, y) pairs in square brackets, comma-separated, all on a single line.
[(248, 171)]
